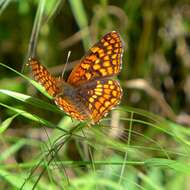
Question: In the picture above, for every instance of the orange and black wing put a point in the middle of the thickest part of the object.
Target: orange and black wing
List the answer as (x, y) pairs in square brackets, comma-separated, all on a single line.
[(103, 59), (73, 107), (42, 76), (100, 96)]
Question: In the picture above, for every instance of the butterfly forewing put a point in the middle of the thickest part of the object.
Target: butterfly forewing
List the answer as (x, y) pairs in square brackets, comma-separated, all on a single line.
[(42, 75), (103, 59)]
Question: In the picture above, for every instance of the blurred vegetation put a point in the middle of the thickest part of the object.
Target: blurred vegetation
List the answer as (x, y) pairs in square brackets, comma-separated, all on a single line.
[(143, 144)]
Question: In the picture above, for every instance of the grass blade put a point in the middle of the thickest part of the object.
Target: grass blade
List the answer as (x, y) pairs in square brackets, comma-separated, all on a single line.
[(5, 124)]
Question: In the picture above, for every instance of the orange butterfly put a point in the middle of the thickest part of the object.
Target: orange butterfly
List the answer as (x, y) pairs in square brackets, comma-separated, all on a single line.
[(89, 92)]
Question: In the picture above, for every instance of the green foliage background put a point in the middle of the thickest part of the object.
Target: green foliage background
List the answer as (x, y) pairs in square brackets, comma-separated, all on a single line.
[(143, 144)]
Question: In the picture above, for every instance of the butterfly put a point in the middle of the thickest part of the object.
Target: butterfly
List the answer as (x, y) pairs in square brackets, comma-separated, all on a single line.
[(90, 91)]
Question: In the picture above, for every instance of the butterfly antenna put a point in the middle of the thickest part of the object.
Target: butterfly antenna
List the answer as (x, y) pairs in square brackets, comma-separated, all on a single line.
[(68, 55)]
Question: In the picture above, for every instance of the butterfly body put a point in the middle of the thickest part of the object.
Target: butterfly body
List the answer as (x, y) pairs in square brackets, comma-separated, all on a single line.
[(89, 92), (70, 101)]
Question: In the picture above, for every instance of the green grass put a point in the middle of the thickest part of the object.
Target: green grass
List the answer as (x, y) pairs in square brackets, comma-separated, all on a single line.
[(107, 160)]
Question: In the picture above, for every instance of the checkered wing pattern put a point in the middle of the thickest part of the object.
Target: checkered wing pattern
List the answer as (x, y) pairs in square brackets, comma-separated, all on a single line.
[(42, 76), (75, 109), (103, 59), (101, 96)]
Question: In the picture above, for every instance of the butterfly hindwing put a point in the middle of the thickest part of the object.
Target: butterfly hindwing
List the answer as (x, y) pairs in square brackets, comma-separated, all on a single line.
[(75, 109), (100, 96)]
